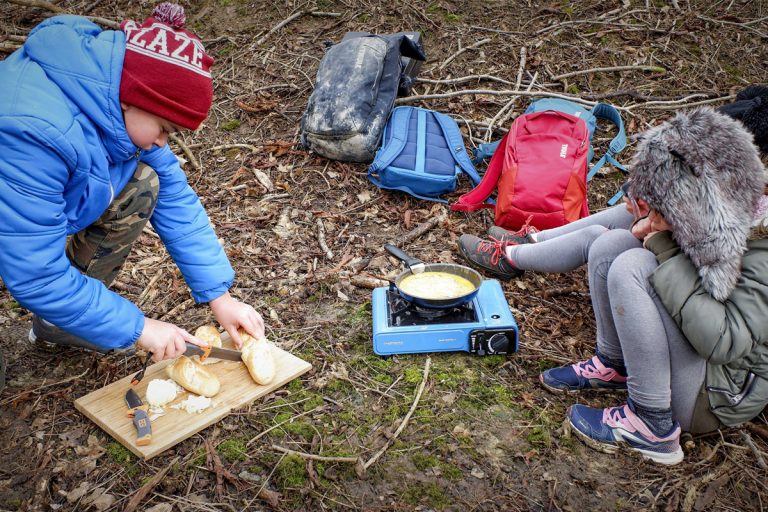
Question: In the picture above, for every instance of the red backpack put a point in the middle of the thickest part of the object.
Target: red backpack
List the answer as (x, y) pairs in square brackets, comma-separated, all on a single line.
[(540, 166)]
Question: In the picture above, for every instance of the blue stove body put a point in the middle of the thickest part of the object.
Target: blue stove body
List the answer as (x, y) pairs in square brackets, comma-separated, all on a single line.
[(482, 326)]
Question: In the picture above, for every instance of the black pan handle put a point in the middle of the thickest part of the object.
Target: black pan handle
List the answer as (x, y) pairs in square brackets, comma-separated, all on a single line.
[(415, 264)]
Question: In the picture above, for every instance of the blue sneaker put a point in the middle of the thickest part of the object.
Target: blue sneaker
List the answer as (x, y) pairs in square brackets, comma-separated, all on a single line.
[(589, 374), (605, 429)]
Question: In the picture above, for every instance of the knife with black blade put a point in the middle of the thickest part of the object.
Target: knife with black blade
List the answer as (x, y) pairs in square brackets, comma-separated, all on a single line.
[(138, 411), (209, 351)]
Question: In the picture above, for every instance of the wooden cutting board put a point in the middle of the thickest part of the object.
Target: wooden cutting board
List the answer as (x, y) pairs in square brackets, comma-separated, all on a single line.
[(106, 406)]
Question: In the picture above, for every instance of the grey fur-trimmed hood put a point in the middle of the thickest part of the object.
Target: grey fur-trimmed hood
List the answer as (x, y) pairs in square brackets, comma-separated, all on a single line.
[(703, 173)]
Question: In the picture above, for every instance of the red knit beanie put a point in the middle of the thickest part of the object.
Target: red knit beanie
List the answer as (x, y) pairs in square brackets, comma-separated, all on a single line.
[(166, 70)]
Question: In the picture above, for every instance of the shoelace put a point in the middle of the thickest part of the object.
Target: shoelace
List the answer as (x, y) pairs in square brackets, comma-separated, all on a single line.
[(586, 369), (615, 417), (527, 229), (493, 246)]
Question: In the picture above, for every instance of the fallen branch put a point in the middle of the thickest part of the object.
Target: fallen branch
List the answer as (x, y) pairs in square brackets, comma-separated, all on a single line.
[(315, 457), (661, 105), (464, 79), (147, 487), (279, 26), (42, 4), (188, 152), (273, 427), (321, 238), (420, 230), (657, 69), (403, 423), (462, 50), (748, 440), (368, 282), (491, 92), (45, 386)]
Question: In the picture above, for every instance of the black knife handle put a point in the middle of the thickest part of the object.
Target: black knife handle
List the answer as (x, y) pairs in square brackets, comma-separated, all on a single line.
[(143, 427)]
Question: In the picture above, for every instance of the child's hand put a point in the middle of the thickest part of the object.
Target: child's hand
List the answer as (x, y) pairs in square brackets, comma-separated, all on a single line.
[(233, 314), (164, 340), (642, 228)]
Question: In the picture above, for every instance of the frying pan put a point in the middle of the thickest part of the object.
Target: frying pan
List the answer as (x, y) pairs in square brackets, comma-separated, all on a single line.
[(416, 266)]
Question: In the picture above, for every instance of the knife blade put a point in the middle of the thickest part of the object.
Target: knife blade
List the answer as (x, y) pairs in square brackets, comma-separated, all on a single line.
[(209, 351), (138, 411)]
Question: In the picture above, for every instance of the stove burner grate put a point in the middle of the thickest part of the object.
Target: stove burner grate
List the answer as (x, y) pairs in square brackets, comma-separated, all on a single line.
[(403, 312)]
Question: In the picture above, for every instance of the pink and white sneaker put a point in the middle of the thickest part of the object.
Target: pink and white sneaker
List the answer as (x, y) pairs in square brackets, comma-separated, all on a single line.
[(605, 429), (589, 374)]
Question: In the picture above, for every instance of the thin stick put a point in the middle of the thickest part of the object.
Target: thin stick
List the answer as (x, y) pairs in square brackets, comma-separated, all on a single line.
[(661, 105), (147, 487), (521, 68), (273, 427), (188, 152), (491, 92), (315, 457), (511, 103), (748, 439), (232, 146), (463, 79), (420, 229), (657, 69), (321, 238), (279, 26), (69, 379), (403, 423), (462, 50), (42, 4)]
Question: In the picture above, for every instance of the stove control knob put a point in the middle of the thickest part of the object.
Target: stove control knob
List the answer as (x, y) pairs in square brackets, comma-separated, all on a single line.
[(498, 343)]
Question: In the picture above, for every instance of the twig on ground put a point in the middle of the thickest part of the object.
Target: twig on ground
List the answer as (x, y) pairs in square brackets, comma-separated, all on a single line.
[(321, 238), (407, 417), (748, 440), (45, 386), (279, 26), (188, 152), (462, 50), (463, 79), (657, 69), (521, 68), (744, 25), (136, 499), (491, 92), (315, 457), (420, 229), (42, 4), (368, 282), (273, 427), (681, 103)]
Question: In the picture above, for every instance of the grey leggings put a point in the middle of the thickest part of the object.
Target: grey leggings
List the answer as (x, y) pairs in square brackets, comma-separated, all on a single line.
[(567, 247), (632, 324)]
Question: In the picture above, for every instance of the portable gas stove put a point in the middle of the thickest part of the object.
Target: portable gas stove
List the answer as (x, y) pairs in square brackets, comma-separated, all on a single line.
[(482, 326)]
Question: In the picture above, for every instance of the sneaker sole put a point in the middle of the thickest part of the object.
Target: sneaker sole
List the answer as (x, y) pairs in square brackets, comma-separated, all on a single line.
[(667, 459), (561, 391), (495, 273)]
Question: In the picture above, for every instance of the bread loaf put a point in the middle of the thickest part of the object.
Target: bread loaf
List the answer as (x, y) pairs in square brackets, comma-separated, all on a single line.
[(193, 377), (210, 335), (257, 356)]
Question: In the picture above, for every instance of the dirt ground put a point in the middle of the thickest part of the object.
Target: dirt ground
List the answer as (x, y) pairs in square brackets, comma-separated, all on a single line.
[(484, 435)]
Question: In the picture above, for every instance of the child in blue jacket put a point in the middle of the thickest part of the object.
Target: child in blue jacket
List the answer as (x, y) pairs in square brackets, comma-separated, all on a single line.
[(85, 115)]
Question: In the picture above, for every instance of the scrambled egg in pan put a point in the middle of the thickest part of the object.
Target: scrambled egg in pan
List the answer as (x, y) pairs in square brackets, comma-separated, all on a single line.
[(436, 285)]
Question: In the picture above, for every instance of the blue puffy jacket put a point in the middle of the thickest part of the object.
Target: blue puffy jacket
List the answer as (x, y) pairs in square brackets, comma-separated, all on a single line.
[(64, 155)]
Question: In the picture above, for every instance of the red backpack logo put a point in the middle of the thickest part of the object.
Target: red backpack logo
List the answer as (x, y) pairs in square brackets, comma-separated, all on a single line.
[(540, 170)]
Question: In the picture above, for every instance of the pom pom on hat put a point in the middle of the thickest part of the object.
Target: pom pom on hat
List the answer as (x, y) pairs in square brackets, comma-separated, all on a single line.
[(166, 70), (170, 14)]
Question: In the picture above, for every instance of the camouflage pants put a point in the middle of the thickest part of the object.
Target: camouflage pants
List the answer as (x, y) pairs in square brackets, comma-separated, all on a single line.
[(100, 250)]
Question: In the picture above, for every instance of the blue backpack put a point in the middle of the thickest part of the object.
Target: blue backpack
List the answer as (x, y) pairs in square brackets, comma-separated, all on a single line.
[(590, 117), (422, 153)]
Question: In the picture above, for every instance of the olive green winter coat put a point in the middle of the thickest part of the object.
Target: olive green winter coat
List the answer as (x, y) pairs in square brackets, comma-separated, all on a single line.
[(731, 335)]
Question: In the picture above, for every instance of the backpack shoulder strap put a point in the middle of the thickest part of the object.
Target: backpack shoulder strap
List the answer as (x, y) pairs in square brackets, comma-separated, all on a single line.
[(474, 199), (617, 145), (456, 144), (395, 137), (619, 142)]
